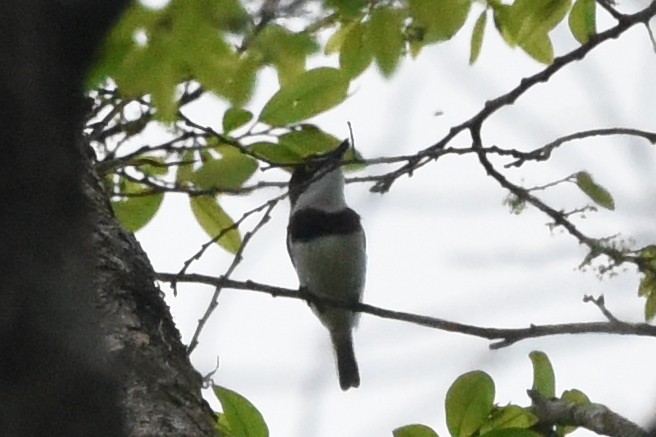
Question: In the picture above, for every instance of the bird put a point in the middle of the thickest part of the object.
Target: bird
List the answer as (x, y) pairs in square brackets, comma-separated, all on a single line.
[(327, 246)]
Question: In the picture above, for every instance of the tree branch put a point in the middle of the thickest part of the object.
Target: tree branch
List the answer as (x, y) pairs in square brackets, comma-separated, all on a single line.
[(544, 152), (595, 417), (559, 218), (504, 336), (432, 152)]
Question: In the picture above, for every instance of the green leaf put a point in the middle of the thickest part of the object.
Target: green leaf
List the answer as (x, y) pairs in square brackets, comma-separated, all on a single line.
[(544, 379), (583, 20), (531, 17), (468, 403), (594, 191), (312, 93), (347, 8), (182, 41), (274, 153), (527, 23), (134, 212), (438, 20), (385, 38), (415, 430), (539, 47), (141, 65), (647, 265), (235, 118), (120, 42), (203, 52), (336, 40), (285, 50), (308, 140), (477, 37), (215, 221), (504, 22), (243, 418), (228, 173), (573, 396), (648, 287), (222, 426), (355, 54), (544, 15), (511, 416), (228, 14), (229, 76), (648, 255), (240, 89), (185, 41)]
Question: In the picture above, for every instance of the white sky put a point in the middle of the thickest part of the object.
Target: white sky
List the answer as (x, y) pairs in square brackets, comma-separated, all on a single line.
[(442, 244)]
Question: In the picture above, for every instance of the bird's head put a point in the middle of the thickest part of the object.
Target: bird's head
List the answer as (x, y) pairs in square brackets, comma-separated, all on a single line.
[(318, 181)]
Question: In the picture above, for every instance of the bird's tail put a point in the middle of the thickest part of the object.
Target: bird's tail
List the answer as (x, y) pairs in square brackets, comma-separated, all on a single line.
[(347, 366)]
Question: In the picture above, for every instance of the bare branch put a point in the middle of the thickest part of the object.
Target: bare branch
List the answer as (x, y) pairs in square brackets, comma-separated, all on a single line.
[(504, 336), (544, 152)]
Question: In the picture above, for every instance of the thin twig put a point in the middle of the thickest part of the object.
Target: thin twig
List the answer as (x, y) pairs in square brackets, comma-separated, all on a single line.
[(543, 153), (600, 303), (106, 165), (155, 188), (214, 302)]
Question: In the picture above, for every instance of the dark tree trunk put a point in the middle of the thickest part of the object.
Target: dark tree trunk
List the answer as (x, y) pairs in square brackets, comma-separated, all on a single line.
[(87, 346), (160, 389)]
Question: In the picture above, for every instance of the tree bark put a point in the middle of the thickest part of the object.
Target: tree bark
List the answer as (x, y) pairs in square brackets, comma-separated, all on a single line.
[(87, 346), (160, 389)]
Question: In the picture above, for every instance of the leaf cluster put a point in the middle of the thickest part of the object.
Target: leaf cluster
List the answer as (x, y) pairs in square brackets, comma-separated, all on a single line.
[(470, 410), (221, 46)]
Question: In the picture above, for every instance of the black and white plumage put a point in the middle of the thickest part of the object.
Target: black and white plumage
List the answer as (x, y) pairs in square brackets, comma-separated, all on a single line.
[(326, 243)]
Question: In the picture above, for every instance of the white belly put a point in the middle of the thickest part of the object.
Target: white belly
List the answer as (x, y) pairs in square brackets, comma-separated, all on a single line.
[(333, 267)]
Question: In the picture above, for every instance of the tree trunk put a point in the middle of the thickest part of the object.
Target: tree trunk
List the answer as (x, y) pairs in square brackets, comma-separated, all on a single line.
[(87, 345), (160, 388)]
